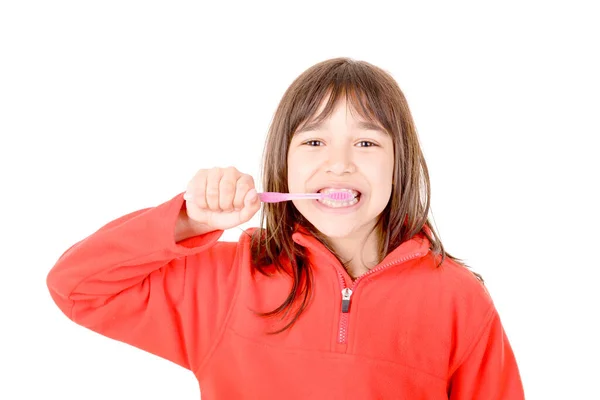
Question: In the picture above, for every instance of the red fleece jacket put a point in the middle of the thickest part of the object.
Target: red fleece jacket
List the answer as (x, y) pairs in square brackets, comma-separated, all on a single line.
[(407, 330)]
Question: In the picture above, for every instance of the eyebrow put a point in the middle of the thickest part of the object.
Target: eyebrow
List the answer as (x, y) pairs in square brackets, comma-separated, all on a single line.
[(365, 125)]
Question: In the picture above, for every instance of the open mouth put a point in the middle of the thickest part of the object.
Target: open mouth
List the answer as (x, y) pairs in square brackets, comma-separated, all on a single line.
[(340, 203)]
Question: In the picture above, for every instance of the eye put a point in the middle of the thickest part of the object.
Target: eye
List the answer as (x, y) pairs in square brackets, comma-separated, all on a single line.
[(366, 143), (313, 143)]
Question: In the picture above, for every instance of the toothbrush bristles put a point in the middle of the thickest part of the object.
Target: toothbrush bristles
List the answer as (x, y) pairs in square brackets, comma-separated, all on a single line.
[(340, 196)]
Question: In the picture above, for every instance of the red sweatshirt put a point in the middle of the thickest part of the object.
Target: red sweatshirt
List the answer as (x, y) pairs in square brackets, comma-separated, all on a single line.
[(406, 330)]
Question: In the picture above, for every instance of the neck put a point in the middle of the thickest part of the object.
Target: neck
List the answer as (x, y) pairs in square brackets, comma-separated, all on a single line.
[(358, 252)]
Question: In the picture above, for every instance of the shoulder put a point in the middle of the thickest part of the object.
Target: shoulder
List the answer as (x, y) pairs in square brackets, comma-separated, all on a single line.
[(456, 290), (458, 279), (467, 308)]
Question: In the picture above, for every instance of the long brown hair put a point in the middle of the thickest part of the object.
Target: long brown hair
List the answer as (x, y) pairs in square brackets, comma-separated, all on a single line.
[(376, 96)]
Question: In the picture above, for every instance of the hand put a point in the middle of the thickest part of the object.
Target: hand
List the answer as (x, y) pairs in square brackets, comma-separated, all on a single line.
[(221, 198)]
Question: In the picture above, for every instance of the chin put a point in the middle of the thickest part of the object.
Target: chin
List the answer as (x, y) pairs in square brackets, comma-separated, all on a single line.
[(334, 231), (335, 228)]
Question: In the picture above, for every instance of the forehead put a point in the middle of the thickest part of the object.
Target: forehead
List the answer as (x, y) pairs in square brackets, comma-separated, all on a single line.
[(357, 117), (359, 124)]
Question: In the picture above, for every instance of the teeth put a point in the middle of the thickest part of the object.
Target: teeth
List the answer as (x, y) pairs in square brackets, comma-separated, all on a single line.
[(339, 204), (330, 190)]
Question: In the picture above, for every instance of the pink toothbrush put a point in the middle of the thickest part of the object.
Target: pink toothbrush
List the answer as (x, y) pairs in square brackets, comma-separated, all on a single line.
[(276, 197)]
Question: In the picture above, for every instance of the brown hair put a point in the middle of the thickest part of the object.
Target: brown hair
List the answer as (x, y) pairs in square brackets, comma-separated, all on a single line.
[(376, 96)]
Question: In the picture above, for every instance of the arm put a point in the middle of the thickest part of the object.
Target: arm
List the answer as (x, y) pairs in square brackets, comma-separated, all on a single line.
[(146, 279), (489, 369)]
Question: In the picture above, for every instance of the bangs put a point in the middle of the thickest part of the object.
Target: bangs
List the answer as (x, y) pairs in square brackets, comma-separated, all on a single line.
[(358, 86)]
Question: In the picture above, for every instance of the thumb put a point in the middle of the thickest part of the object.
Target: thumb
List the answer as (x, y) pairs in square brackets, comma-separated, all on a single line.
[(251, 205)]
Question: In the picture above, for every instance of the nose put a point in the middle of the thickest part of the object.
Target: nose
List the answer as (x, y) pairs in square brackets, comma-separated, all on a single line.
[(340, 161)]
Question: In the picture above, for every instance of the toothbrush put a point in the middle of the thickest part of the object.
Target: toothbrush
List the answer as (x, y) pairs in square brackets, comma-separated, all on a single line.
[(276, 197)]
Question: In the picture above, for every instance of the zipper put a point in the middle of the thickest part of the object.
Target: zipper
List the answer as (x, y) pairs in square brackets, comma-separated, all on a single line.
[(348, 291)]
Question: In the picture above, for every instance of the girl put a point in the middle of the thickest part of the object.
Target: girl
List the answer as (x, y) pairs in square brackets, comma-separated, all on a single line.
[(330, 299)]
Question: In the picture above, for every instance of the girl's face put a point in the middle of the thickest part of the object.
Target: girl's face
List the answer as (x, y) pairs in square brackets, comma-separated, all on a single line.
[(343, 152)]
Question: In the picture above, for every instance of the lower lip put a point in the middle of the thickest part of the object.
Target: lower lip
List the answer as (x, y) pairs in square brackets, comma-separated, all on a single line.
[(339, 210)]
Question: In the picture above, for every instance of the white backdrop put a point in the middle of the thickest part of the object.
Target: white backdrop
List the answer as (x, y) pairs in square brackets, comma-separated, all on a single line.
[(108, 107)]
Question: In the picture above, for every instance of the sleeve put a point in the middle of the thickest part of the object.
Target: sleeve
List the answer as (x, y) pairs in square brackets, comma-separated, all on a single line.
[(489, 369), (130, 281)]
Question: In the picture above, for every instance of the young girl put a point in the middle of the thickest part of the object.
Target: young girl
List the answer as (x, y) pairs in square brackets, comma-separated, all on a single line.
[(331, 299)]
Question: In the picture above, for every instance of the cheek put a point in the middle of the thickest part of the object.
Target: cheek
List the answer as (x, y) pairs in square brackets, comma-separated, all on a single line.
[(298, 173), (380, 172)]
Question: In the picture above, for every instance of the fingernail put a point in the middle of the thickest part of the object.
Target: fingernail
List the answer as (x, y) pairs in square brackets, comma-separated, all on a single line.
[(253, 195)]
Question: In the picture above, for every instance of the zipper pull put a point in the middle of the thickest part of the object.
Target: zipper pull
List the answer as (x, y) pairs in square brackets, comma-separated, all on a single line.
[(346, 293)]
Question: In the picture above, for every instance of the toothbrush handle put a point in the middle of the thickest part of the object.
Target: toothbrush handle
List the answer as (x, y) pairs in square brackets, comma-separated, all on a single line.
[(275, 197), (300, 196)]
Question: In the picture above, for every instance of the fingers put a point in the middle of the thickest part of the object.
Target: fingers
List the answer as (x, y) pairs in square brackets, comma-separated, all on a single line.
[(227, 188), (196, 190), (213, 182), (220, 189), (221, 198)]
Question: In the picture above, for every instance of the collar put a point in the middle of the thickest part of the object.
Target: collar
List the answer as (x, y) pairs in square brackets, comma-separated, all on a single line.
[(417, 246)]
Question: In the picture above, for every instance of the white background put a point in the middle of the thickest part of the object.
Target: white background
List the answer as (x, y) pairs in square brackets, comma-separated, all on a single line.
[(108, 107)]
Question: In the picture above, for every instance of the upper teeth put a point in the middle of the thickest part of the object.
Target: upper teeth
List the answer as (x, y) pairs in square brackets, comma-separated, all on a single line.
[(329, 190)]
